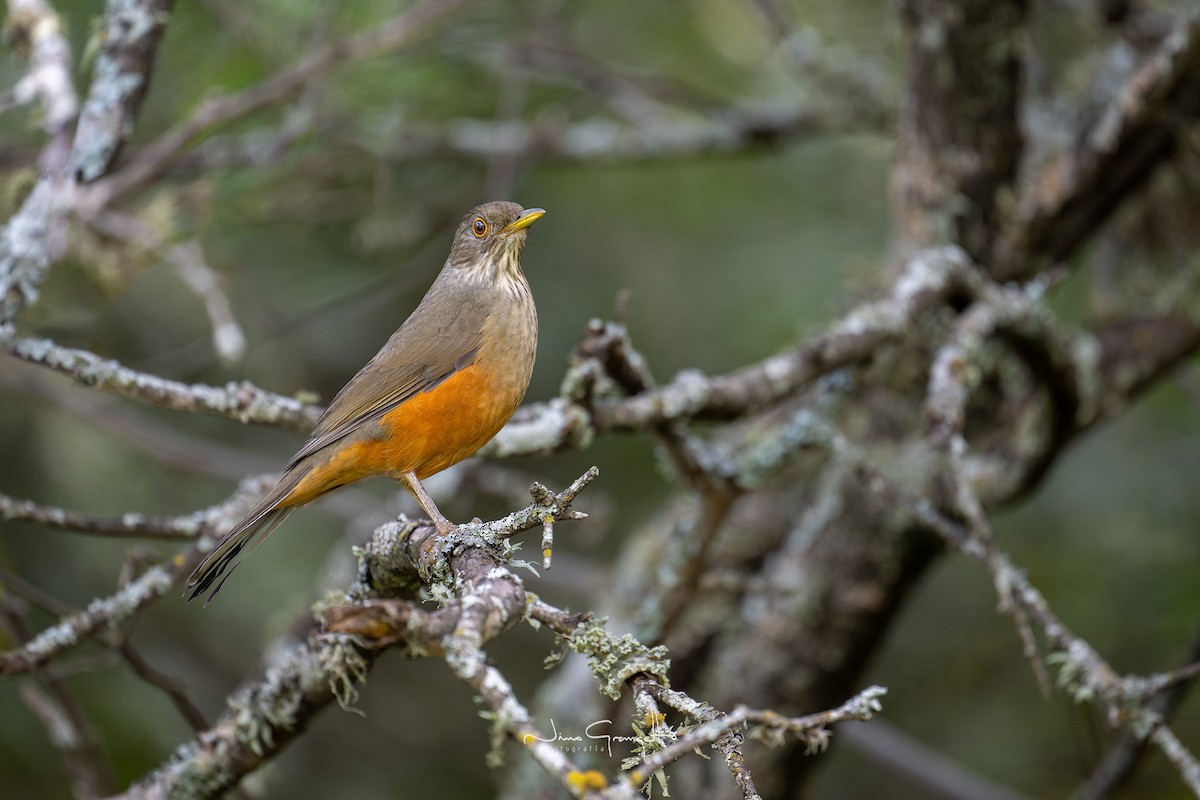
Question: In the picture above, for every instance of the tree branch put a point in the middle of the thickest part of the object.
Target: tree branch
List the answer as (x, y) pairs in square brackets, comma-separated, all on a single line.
[(106, 613), (152, 161), (129, 525), (482, 600), (959, 139), (929, 279), (132, 30), (1137, 132), (1083, 672), (242, 402), (730, 131), (35, 237), (35, 28)]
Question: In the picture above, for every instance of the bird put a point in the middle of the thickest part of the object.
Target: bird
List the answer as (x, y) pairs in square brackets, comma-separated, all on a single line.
[(439, 389)]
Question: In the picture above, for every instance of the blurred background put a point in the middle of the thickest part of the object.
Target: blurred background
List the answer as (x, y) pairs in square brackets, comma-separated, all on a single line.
[(326, 221)]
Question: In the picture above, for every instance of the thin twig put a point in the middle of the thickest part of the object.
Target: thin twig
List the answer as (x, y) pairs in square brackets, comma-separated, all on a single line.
[(166, 684), (1126, 750), (812, 729)]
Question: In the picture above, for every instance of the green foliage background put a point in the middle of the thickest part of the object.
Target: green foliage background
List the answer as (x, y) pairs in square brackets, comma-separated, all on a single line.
[(726, 259)]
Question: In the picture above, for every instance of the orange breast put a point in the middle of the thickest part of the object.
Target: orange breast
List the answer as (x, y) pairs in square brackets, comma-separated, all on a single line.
[(425, 434), (438, 428)]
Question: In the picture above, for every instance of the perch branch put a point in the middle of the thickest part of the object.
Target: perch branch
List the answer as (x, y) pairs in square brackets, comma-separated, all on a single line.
[(482, 600)]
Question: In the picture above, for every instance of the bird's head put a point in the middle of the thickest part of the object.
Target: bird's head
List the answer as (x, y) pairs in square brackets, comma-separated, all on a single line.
[(489, 240)]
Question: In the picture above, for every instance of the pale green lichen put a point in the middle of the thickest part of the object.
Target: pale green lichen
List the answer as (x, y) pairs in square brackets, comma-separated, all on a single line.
[(1071, 677), (345, 668), (614, 661), (648, 740), (497, 736)]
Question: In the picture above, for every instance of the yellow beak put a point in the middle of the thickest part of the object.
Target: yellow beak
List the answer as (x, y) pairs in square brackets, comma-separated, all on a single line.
[(527, 218)]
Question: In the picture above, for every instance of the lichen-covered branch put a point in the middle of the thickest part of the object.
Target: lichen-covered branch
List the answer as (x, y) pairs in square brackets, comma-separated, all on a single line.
[(242, 401), (153, 160), (105, 613), (35, 28), (729, 132), (1082, 670), (480, 600), (35, 237), (1136, 133), (812, 729), (300, 678), (100, 614), (131, 525), (132, 30), (929, 278), (618, 662), (30, 242), (959, 135)]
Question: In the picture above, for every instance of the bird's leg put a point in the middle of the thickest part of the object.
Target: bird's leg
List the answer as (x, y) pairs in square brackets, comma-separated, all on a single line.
[(443, 525)]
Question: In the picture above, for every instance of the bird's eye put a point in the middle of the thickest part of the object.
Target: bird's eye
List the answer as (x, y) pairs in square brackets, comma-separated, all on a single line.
[(480, 227)]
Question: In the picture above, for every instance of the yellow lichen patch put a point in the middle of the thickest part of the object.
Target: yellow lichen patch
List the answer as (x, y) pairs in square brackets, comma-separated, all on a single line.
[(588, 779), (652, 719)]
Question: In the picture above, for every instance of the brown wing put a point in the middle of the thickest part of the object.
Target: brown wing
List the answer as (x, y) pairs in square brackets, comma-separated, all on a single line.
[(441, 337)]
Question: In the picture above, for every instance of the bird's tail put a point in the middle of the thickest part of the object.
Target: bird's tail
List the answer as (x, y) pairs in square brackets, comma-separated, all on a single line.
[(218, 565)]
